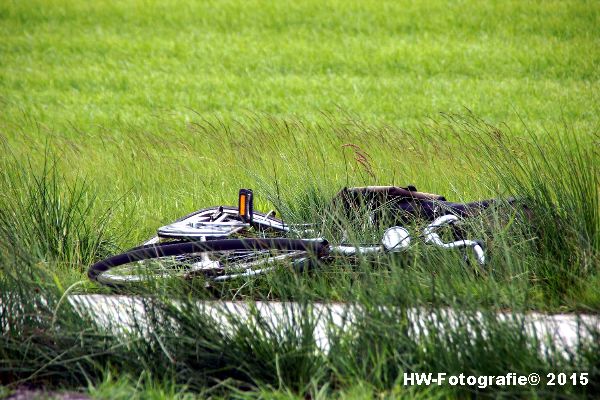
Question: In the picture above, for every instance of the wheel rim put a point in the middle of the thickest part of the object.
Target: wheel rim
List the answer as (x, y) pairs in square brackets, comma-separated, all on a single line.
[(216, 266)]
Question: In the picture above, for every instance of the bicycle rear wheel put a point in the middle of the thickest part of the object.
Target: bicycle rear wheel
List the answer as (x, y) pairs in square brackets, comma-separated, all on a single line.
[(217, 260)]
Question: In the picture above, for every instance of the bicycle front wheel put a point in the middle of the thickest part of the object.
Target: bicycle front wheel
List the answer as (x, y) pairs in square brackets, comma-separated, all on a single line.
[(217, 260)]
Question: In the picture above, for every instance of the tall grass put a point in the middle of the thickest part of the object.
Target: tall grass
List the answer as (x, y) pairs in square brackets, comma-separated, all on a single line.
[(54, 220), (556, 176), (176, 343), (545, 259), (49, 222), (44, 340)]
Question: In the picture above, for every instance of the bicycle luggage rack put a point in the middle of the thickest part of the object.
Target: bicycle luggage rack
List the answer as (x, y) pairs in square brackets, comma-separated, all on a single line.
[(222, 221)]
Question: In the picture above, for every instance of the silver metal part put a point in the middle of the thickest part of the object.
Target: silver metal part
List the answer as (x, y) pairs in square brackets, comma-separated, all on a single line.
[(216, 222), (433, 238), (353, 250)]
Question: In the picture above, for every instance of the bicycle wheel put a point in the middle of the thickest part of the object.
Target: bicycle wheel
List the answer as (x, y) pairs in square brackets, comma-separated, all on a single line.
[(217, 260)]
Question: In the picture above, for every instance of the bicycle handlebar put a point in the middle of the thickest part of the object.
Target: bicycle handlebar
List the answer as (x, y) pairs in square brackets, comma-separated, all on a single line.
[(430, 237), (433, 238)]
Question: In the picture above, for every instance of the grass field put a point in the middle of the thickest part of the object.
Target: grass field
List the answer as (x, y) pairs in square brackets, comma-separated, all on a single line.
[(117, 117)]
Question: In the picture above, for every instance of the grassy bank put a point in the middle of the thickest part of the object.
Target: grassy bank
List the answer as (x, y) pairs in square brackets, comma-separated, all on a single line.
[(53, 225), (185, 352), (545, 259), (116, 118)]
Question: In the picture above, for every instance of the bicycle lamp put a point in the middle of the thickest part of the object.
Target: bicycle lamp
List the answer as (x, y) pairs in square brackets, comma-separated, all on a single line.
[(395, 239)]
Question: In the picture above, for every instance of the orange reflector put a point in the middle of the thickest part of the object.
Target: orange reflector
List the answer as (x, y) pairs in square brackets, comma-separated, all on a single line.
[(243, 204)]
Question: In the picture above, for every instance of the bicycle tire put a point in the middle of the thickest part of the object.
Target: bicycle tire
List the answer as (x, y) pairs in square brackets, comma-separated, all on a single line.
[(99, 271)]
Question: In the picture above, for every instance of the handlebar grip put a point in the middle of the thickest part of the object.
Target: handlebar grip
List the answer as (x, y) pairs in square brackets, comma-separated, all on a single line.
[(480, 254)]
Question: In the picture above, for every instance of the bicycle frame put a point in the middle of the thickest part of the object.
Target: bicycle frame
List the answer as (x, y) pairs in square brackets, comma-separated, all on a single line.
[(211, 223)]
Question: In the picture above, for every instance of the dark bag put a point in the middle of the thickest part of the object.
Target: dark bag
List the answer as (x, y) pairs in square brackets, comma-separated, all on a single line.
[(394, 204)]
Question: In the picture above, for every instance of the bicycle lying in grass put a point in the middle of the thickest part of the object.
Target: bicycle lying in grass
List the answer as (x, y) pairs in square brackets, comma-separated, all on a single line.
[(222, 243)]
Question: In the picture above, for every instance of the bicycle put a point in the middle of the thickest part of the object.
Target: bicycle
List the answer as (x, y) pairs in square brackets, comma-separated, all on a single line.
[(223, 243)]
